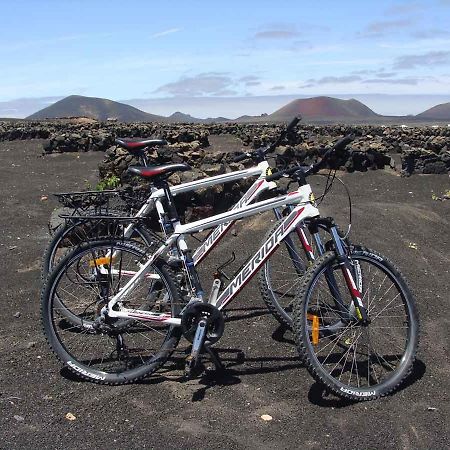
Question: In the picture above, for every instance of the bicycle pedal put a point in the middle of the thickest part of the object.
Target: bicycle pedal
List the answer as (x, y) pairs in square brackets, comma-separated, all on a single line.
[(193, 368), (189, 366)]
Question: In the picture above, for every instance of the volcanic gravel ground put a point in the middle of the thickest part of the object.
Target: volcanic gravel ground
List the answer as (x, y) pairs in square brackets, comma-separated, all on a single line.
[(390, 214)]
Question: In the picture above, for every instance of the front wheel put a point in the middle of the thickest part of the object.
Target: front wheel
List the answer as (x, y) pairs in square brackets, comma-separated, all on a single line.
[(354, 360)]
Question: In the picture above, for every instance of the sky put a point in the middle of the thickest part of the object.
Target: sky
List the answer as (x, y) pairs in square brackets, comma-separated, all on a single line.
[(162, 55)]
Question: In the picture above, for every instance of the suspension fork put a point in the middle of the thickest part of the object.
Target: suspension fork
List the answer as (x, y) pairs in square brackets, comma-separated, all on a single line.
[(344, 262), (313, 227)]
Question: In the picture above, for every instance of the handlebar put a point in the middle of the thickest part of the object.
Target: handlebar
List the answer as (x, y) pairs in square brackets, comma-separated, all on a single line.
[(342, 143), (283, 134), (309, 170), (262, 151), (293, 124), (277, 175), (242, 157)]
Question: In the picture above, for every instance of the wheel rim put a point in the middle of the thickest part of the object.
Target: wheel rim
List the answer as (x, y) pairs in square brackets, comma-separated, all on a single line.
[(74, 238), (281, 277), (128, 344), (355, 357)]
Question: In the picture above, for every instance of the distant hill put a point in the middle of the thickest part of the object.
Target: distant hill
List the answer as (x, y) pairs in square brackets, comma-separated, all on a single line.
[(95, 108), (216, 120), (102, 109), (183, 118), (438, 112), (324, 108), (313, 110)]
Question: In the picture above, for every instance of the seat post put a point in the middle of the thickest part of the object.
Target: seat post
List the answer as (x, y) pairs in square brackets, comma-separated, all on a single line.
[(171, 209), (143, 157)]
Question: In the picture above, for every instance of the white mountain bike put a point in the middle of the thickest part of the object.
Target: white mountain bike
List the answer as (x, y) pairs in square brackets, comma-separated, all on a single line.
[(355, 320), (277, 282)]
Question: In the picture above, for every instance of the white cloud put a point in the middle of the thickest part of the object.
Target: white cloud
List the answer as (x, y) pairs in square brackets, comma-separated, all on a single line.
[(23, 45), (429, 59), (165, 33)]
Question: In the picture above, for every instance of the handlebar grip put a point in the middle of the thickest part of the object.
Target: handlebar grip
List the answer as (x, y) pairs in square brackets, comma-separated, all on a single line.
[(293, 123), (241, 157), (342, 143), (278, 175), (275, 176)]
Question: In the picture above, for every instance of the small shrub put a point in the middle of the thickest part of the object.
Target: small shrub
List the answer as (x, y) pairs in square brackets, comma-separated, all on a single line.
[(110, 182)]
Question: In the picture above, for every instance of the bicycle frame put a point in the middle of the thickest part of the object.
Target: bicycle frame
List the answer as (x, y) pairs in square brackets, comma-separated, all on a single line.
[(304, 209), (155, 200)]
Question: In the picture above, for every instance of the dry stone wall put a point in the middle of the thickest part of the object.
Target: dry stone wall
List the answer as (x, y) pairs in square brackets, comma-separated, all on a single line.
[(421, 149)]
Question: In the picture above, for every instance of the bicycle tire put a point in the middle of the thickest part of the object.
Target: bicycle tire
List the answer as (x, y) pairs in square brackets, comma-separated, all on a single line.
[(337, 329), (278, 291), (137, 362), (68, 234), (269, 287)]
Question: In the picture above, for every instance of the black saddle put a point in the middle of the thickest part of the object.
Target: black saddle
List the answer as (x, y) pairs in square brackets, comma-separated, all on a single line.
[(156, 171), (139, 144)]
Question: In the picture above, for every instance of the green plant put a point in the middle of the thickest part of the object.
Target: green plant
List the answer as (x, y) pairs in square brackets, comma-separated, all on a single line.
[(109, 182), (445, 196)]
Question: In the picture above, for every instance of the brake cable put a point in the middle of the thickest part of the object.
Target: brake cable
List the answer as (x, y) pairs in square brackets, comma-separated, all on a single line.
[(327, 189)]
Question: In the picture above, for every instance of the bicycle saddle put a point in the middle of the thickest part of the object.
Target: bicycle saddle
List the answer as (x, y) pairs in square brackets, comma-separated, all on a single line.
[(153, 171), (138, 144)]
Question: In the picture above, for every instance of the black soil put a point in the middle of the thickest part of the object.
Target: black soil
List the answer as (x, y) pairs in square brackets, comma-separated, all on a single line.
[(396, 216)]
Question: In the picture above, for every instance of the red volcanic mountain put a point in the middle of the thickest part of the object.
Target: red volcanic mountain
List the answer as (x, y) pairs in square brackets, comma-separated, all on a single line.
[(438, 112), (324, 108)]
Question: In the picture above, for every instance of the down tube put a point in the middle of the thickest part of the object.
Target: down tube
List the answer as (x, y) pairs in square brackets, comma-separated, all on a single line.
[(219, 232), (298, 214)]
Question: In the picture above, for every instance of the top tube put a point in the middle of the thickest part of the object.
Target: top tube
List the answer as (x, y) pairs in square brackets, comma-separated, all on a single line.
[(302, 195), (260, 170)]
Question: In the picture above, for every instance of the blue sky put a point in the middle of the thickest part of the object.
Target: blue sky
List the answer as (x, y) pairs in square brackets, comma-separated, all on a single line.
[(133, 50)]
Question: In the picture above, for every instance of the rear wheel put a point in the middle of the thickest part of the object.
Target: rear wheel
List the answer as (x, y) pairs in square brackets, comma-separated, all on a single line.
[(67, 238), (123, 350), (281, 276), (70, 235), (356, 361)]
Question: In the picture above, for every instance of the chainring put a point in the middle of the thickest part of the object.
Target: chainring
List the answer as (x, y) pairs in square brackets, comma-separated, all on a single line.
[(199, 310)]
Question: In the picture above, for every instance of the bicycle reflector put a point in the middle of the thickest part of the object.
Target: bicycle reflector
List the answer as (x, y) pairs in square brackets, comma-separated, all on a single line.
[(314, 328), (102, 261)]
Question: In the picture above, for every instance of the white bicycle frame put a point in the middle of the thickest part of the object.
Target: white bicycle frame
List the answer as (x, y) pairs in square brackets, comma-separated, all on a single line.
[(260, 185), (304, 209)]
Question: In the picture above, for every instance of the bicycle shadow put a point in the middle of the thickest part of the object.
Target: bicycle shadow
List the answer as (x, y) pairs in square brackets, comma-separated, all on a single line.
[(237, 365), (244, 313), (241, 366)]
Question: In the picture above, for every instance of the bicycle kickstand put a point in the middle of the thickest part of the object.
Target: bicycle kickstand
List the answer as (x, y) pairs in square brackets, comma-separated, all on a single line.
[(215, 358)]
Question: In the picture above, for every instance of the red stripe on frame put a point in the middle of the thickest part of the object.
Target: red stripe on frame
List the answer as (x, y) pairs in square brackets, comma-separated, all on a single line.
[(293, 220), (304, 241)]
